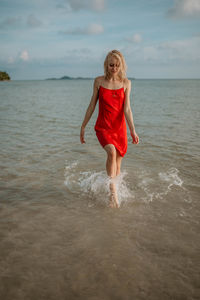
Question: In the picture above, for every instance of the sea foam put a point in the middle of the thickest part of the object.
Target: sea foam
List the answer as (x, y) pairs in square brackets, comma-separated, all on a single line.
[(146, 186), (96, 184)]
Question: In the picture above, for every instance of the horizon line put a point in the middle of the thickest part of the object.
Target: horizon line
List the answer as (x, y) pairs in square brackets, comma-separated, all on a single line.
[(92, 78)]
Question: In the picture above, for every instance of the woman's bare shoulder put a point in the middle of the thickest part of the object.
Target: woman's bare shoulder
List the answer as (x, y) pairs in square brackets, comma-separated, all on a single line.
[(98, 80), (127, 83)]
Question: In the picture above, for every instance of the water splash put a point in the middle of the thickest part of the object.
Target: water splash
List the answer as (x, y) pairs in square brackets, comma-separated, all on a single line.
[(172, 177), (148, 186), (96, 184), (157, 186)]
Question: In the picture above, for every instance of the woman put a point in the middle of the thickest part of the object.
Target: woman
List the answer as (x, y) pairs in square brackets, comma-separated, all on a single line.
[(113, 91)]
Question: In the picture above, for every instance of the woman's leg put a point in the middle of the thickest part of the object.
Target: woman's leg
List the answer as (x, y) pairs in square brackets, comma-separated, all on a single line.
[(111, 160), (111, 167), (118, 163)]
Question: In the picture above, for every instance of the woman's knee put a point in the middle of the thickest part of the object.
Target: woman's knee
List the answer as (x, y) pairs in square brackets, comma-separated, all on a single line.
[(111, 151)]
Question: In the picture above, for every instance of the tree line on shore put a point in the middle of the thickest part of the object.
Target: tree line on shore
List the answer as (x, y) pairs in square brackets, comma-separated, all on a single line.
[(4, 76)]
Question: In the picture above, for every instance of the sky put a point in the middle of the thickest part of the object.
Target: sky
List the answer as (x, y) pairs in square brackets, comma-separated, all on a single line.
[(41, 39)]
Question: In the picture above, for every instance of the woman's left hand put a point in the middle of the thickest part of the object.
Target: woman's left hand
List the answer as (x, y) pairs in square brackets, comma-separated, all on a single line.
[(135, 138), (82, 133)]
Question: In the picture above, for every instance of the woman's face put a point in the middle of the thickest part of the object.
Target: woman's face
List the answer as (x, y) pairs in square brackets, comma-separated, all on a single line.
[(113, 65)]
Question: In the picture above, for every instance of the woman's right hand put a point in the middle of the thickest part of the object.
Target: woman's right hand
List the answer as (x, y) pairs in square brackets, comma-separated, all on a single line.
[(82, 133), (135, 138)]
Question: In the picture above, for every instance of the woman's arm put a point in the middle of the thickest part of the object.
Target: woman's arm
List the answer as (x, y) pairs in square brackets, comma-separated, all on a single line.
[(89, 110), (129, 115)]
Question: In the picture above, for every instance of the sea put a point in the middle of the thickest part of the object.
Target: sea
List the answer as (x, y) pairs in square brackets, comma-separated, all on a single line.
[(59, 238)]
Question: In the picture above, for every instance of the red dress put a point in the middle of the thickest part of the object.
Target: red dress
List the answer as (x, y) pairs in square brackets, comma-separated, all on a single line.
[(110, 126)]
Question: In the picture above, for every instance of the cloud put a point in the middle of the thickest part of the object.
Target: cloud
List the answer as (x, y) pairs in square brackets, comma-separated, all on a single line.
[(21, 56), (169, 52), (150, 53), (95, 29), (181, 50), (136, 38), (184, 8), (32, 21), (175, 51), (96, 5), (11, 60), (92, 29), (24, 55), (76, 5), (10, 22), (13, 22)]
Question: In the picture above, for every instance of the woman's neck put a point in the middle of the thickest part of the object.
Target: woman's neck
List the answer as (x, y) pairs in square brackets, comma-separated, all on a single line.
[(114, 78)]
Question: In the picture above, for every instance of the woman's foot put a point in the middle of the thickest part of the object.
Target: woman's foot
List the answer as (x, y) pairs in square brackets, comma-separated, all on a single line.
[(113, 195), (114, 200)]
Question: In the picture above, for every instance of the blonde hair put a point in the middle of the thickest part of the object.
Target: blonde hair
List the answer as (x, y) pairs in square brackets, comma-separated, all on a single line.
[(122, 64)]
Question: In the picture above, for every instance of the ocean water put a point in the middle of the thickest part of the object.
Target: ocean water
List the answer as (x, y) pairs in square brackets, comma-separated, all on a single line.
[(59, 239)]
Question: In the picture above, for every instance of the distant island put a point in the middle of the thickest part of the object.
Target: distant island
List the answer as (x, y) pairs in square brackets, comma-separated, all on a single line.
[(68, 78), (4, 76)]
